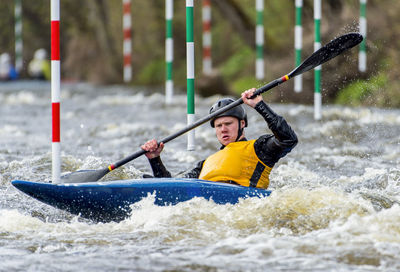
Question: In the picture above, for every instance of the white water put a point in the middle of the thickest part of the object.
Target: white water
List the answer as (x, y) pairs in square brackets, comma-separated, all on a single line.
[(334, 206)]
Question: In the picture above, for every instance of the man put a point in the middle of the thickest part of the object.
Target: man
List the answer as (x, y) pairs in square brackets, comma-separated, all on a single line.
[(239, 161), (7, 70), (39, 67)]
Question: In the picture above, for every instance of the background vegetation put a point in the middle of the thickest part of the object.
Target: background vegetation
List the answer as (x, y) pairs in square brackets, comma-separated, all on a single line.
[(91, 45)]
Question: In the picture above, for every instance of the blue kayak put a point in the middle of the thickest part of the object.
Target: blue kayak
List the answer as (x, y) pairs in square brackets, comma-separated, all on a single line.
[(111, 200)]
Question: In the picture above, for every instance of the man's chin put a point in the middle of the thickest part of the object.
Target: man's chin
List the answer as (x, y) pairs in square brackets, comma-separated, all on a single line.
[(225, 142)]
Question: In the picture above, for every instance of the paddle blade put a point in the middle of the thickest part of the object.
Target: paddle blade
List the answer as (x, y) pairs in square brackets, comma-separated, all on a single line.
[(84, 176), (328, 52)]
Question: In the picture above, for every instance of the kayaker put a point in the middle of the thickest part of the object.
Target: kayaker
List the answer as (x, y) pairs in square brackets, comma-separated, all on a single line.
[(239, 161)]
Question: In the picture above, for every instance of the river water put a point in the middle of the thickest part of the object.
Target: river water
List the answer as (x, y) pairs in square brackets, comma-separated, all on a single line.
[(334, 206)]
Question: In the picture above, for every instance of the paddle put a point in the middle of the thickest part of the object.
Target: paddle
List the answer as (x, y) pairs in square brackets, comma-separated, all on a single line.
[(322, 55)]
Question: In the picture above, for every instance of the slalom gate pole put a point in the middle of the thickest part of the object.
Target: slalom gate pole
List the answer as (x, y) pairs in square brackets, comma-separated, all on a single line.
[(190, 73), (298, 41), (127, 45), (259, 40), (317, 70), (206, 17), (55, 89), (18, 36), (169, 51), (362, 55)]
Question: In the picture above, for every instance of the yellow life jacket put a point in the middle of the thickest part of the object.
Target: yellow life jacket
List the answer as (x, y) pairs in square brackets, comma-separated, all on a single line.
[(239, 163)]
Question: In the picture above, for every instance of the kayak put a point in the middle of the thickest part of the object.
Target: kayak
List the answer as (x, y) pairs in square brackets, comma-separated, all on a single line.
[(111, 200)]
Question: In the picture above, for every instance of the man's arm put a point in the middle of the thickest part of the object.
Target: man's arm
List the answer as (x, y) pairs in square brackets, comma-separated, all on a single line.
[(159, 170), (195, 172), (270, 148), (153, 154)]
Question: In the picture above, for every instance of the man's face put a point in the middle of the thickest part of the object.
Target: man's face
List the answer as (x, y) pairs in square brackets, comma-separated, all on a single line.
[(226, 129)]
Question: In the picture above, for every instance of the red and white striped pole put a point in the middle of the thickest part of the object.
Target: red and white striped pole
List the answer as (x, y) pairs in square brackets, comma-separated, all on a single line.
[(126, 24), (206, 16), (55, 90)]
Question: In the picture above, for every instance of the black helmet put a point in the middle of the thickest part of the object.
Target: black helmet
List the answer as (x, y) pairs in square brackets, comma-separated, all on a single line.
[(237, 111)]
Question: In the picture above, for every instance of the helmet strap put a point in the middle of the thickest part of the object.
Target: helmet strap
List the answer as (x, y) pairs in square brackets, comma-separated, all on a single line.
[(240, 131)]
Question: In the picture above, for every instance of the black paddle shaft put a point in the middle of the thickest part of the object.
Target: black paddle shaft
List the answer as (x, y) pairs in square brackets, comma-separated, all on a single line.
[(180, 132), (199, 122)]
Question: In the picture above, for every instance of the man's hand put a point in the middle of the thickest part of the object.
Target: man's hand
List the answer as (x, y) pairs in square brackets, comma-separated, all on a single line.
[(153, 149), (251, 102)]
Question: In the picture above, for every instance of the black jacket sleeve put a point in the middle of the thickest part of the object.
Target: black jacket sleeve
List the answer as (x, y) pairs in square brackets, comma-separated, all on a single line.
[(270, 148), (195, 172), (159, 170)]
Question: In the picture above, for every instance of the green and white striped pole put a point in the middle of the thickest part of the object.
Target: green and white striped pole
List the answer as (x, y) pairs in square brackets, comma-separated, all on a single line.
[(18, 36), (362, 55), (298, 41), (317, 70), (169, 51), (259, 40), (190, 72)]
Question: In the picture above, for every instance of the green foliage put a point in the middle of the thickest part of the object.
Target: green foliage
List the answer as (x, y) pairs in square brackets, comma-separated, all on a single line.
[(153, 73), (392, 97), (236, 70), (236, 62), (363, 91), (244, 83), (277, 26), (6, 27)]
